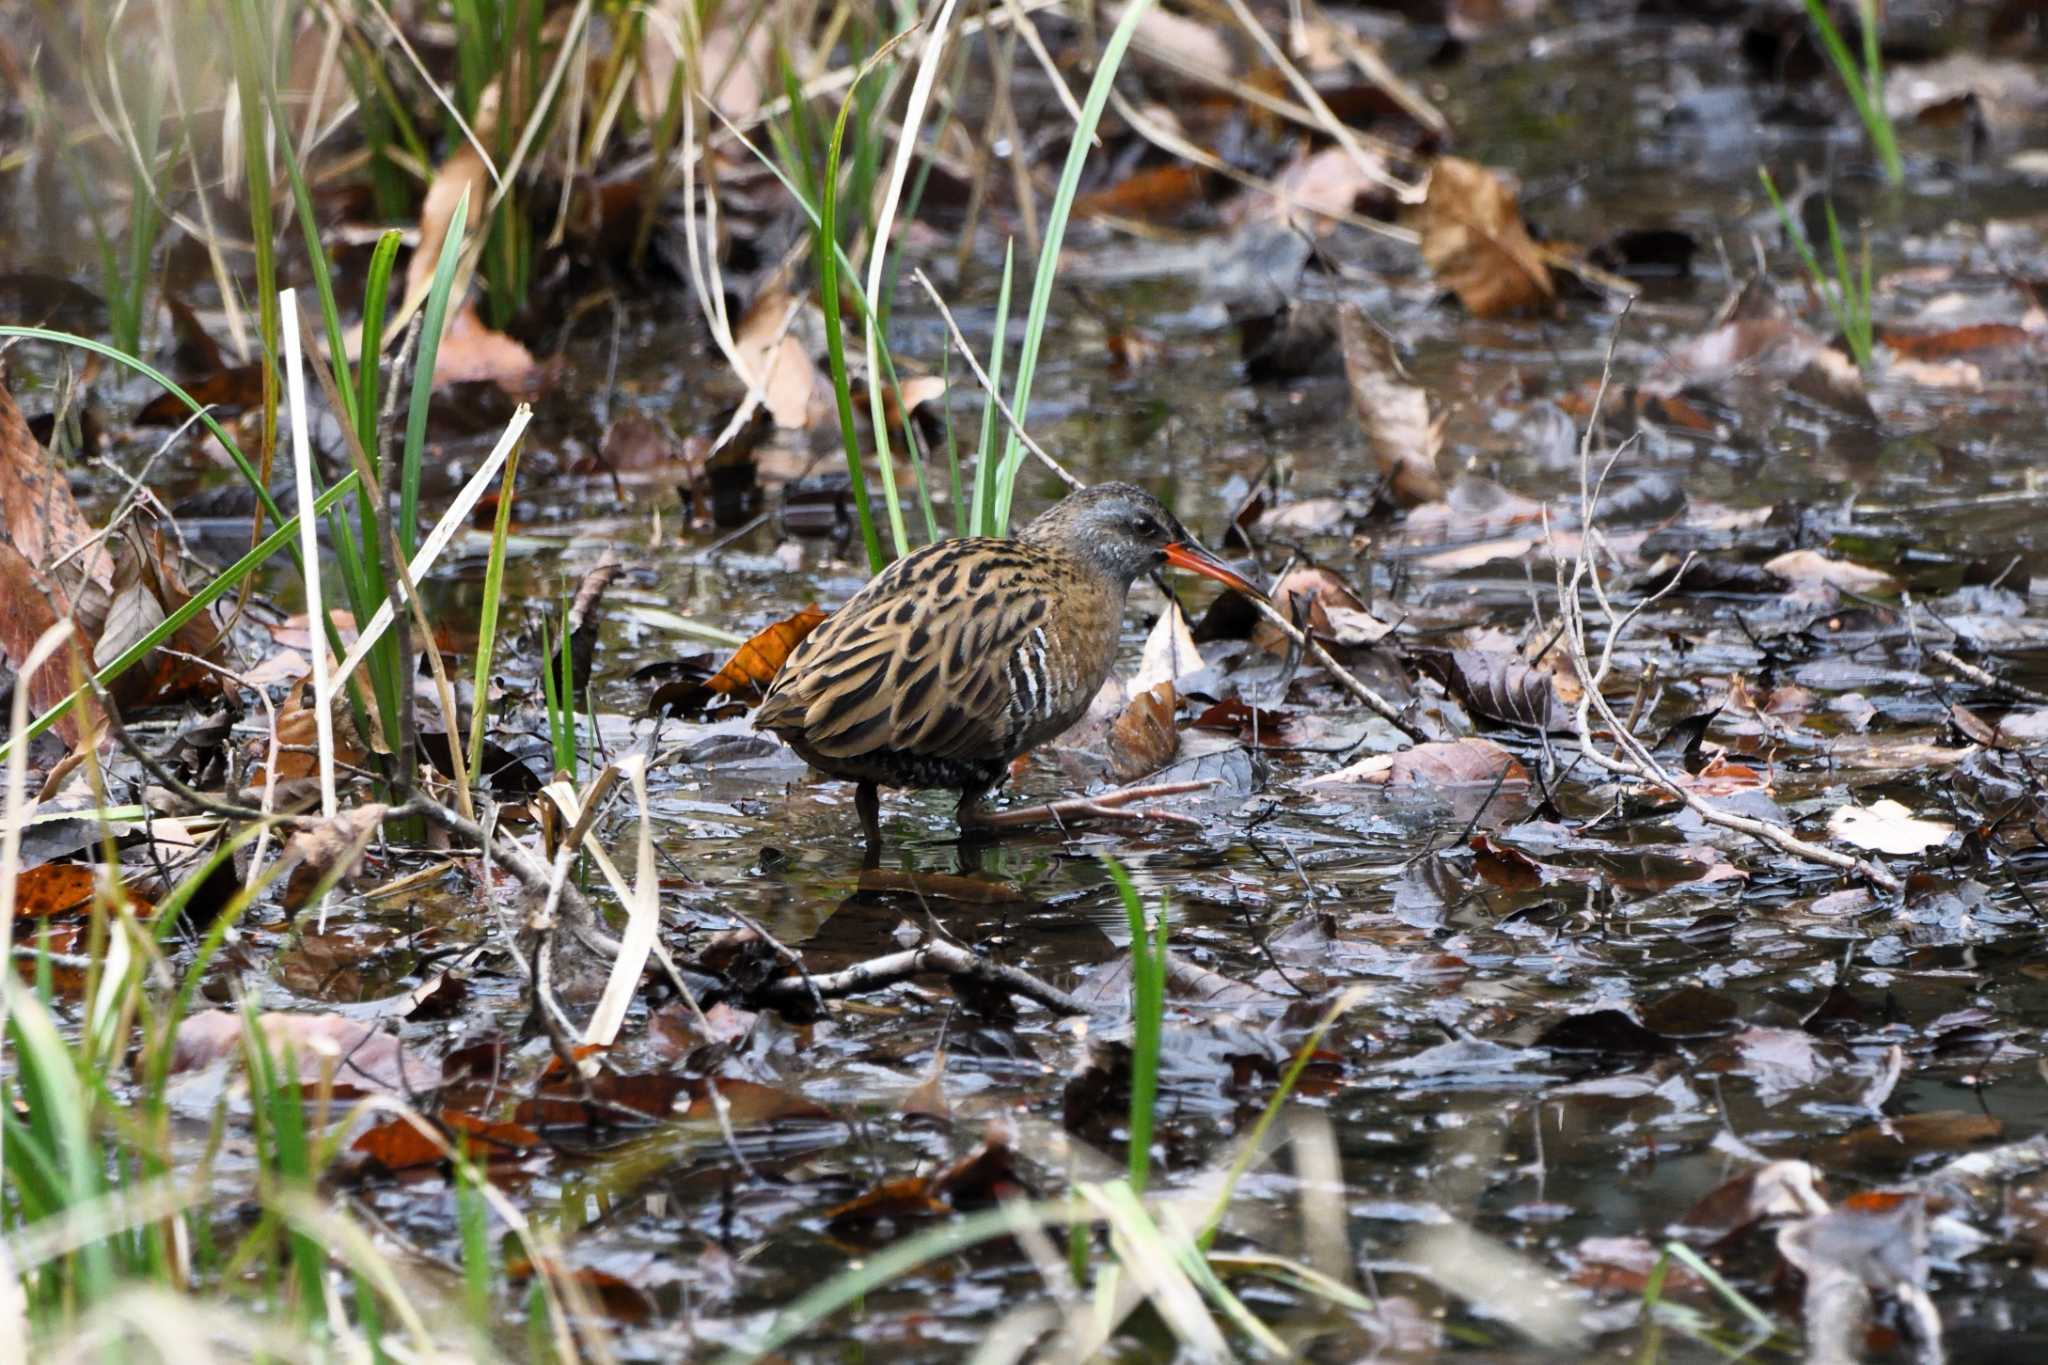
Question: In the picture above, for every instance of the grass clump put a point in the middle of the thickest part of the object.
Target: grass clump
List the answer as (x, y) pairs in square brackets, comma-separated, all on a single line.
[(1844, 290), (1863, 78)]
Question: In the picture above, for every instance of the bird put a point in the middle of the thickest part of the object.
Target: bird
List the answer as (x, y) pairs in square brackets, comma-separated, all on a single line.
[(970, 651)]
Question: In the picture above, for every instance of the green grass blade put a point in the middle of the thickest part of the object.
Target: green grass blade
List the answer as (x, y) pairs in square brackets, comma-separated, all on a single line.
[(988, 451), (829, 255), (1055, 234), (1148, 1006), (487, 622), (433, 320)]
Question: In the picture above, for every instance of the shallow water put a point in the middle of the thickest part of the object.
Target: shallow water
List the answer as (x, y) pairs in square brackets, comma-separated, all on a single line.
[(1436, 1103)]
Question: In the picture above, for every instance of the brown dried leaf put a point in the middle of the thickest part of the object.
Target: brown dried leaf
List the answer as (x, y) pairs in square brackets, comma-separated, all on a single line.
[(396, 1145), (38, 515), (1143, 740), (1473, 239), (1155, 194), (330, 848), (53, 889), (1405, 439), (772, 357), (1811, 568)]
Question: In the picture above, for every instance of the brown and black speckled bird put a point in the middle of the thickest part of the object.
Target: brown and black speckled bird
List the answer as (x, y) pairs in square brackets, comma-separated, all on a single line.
[(966, 653)]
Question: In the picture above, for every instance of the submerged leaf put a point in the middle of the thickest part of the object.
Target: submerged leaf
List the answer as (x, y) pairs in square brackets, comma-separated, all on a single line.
[(1473, 239)]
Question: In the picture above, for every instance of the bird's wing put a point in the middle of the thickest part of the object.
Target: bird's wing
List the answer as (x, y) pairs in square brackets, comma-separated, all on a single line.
[(922, 660)]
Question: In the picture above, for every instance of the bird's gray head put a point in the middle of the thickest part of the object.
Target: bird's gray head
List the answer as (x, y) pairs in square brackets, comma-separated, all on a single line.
[(1123, 531)]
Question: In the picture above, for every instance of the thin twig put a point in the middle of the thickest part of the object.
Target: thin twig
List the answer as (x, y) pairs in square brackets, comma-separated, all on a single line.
[(944, 959), (1630, 756)]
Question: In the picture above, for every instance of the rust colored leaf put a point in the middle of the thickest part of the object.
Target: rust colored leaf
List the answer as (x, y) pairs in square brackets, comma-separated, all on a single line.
[(1394, 410), (231, 389), (1143, 738), (1983, 336), (754, 665), (397, 1145), (1156, 194), (1324, 605), (24, 615), (298, 738), (1474, 241), (38, 515), (53, 889)]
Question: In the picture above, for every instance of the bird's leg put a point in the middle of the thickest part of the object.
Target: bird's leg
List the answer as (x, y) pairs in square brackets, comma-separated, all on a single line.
[(869, 803)]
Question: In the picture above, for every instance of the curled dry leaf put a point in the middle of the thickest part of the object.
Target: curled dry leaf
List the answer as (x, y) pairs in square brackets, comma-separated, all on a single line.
[(1474, 241), (1405, 439), (1325, 606), (1170, 651), (1143, 740), (1885, 826), (754, 664), (330, 849), (1501, 685), (773, 359), (298, 737)]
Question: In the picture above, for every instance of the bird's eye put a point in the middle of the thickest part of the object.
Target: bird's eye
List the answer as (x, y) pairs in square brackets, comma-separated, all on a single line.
[(1144, 527)]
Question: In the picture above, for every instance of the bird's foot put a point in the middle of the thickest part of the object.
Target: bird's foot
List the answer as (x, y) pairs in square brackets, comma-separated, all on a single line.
[(1113, 805)]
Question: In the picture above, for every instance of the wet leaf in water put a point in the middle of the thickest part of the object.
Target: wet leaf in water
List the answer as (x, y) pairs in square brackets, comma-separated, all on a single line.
[(1885, 826), (361, 1059), (1502, 686), (298, 737), (1323, 605), (331, 848), (1609, 1032), (398, 1145), (1406, 441), (1777, 1189), (1810, 568), (1446, 763), (1955, 341), (1155, 194), (1894, 1142), (1691, 1012), (1474, 241)]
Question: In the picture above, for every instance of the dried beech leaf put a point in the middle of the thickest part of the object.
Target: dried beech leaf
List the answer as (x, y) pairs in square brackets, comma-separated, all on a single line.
[(772, 357), (331, 848), (1405, 439), (754, 665), (1474, 241), (1143, 740)]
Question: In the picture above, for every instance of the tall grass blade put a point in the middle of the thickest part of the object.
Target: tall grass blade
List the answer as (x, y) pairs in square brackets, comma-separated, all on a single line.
[(1049, 254), (433, 322)]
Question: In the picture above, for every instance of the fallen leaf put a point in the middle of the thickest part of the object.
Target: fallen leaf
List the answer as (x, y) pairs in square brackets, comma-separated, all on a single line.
[(38, 515), (1956, 341), (1444, 763), (1885, 826), (754, 664), (1170, 652), (1406, 441), (1812, 568), (735, 61), (473, 353), (331, 848), (1154, 194), (1501, 685), (397, 1145), (1474, 241), (1143, 738), (772, 358), (360, 1058), (53, 889)]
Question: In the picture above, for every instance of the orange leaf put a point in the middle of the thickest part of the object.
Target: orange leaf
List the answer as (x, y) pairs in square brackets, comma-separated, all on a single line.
[(52, 889), (754, 665)]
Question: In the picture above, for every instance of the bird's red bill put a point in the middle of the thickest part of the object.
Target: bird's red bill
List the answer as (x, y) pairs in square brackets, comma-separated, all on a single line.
[(1183, 554)]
